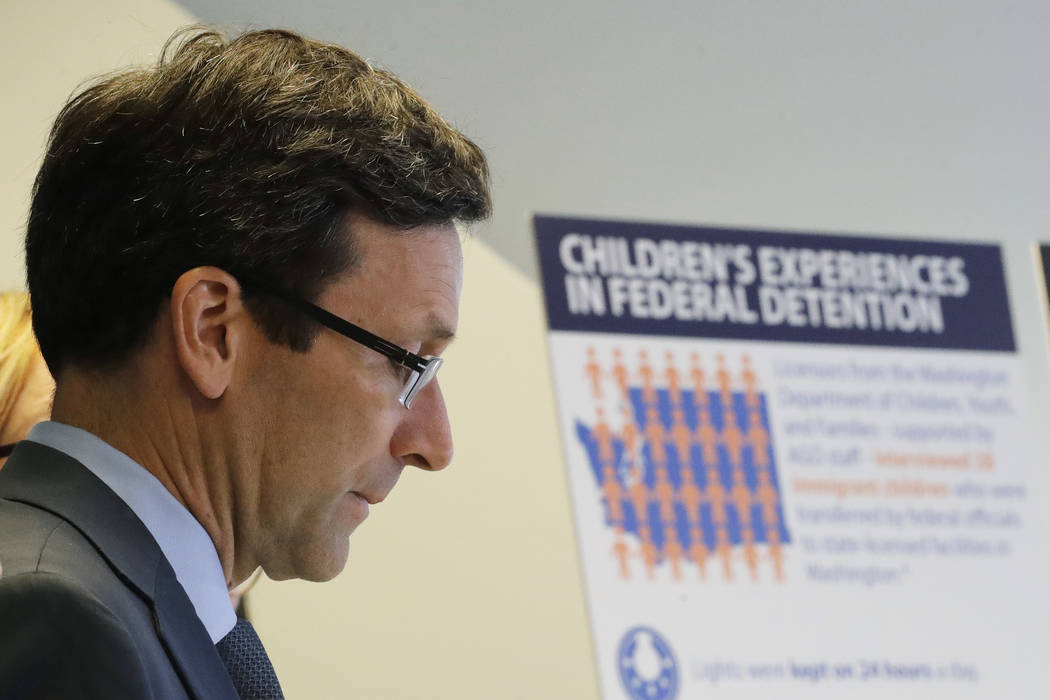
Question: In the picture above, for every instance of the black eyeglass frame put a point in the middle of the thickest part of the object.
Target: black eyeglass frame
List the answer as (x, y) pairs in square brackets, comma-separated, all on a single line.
[(423, 367)]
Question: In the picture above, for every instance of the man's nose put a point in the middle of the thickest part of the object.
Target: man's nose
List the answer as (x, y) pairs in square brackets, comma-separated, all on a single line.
[(424, 437)]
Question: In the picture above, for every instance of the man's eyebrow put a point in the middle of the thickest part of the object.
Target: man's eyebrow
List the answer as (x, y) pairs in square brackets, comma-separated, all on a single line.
[(437, 329)]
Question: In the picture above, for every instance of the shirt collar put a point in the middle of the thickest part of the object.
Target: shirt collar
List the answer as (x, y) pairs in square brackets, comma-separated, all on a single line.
[(185, 544)]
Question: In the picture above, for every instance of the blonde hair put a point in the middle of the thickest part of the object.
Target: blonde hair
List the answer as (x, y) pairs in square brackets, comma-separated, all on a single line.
[(18, 349)]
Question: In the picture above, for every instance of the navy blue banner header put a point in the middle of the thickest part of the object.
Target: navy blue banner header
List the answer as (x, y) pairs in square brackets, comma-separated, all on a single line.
[(654, 279)]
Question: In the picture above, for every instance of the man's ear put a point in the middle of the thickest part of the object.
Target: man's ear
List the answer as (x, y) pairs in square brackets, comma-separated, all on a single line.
[(206, 313)]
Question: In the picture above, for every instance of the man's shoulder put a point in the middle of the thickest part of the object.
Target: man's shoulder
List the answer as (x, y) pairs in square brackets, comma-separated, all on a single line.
[(24, 534), (42, 550), (60, 641), (33, 539), (55, 600), (69, 617), (56, 515)]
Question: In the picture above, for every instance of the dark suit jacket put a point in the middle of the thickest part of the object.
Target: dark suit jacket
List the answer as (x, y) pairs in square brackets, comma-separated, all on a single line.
[(89, 606)]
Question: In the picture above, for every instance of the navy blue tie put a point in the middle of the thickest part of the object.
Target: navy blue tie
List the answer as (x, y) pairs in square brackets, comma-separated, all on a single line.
[(248, 665)]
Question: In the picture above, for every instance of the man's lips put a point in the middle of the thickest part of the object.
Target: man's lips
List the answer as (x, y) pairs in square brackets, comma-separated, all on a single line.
[(372, 498)]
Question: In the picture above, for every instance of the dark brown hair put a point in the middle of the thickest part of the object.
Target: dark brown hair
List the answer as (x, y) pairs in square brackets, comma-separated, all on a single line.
[(247, 154)]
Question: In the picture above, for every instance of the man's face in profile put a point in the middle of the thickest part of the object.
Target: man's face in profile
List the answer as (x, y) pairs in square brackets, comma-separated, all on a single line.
[(328, 435)]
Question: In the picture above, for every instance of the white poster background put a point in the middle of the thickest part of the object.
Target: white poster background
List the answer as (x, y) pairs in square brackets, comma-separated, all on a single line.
[(945, 623)]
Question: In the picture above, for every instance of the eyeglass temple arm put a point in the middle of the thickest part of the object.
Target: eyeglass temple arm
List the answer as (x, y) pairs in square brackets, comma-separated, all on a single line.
[(344, 327)]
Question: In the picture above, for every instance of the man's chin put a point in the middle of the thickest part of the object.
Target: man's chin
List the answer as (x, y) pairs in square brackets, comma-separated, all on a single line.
[(317, 567)]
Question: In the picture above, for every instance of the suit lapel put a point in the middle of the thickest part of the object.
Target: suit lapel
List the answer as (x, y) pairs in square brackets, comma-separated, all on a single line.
[(187, 641), (49, 479)]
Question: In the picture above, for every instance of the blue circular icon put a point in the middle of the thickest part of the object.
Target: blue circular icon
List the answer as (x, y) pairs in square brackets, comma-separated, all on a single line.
[(647, 666)]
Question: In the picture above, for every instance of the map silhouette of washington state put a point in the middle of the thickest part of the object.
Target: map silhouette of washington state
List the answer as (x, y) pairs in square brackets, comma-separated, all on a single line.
[(685, 467)]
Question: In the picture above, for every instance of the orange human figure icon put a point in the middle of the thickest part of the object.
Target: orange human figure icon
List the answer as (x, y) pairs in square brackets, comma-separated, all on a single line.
[(750, 399), (698, 551), (654, 433), (603, 434), (758, 438), (622, 553), (650, 554), (750, 383), (722, 377), (674, 551), (741, 496), (750, 552), (612, 493), (653, 422), (645, 371), (674, 383), (696, 373), (725, 552), (689, 495), (639, 494), (682, 437), (707, 438), (776, 552), (767, 496), (629, 433), (715, 494), (732, 438), (620, 374), (658, 453), (594, 373), (664, 495)]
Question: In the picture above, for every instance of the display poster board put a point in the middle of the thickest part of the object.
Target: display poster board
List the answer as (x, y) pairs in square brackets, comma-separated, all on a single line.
[(800, 464), (1042, 264)]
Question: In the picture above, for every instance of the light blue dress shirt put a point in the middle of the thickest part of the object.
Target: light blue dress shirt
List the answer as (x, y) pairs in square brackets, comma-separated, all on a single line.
[(185, 544)]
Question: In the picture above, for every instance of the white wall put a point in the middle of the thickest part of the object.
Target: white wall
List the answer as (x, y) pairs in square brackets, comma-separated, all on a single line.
[(891, 118)]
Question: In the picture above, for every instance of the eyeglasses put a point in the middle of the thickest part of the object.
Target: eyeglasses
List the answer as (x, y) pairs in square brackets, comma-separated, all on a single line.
[(423, 367)]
